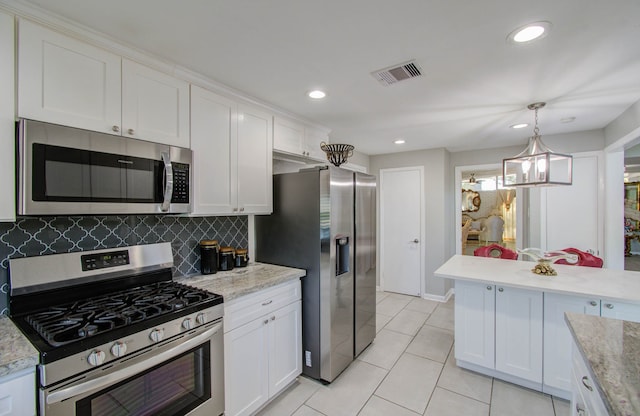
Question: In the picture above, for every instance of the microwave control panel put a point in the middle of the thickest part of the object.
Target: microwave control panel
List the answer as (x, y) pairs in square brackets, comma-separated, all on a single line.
[(180, 183)]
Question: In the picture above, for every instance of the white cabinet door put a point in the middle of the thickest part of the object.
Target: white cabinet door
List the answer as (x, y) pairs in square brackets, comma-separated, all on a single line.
[(519, 333), (246, 368), (155, 106), (288, 136), (213, 141), (565, 225), (17, 394), (285, 348), (7, 119), (474, 323), (255, 161), (620, 310), (312, 138), (65, 81), (558, 339)]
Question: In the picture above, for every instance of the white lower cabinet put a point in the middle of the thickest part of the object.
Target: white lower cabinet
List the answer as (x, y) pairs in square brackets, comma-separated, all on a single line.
[(519, 333), (620, 310), (585, 399), (558, 339), (499, 329), (263, 354), (18, 393)]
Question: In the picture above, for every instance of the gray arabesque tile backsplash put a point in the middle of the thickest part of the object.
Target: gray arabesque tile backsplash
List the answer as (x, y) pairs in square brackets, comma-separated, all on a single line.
[(36, 236)]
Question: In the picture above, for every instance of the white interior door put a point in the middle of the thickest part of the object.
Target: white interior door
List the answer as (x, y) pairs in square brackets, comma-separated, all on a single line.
[(401, 207)]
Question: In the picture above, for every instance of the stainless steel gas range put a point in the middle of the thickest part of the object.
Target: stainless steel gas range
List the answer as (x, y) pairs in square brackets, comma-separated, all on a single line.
[(117, 336)]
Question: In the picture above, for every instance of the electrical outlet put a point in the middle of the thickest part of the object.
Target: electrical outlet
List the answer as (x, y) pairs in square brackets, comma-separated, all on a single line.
[(307, 358)]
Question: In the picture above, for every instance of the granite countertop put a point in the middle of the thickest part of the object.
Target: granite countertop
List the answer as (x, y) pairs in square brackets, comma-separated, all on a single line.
[(611, 350), (16, 353), (243, 281), (619, 285)]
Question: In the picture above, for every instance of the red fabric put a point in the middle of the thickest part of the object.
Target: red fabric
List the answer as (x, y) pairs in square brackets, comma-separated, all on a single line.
[(497, 251), (584, 258)]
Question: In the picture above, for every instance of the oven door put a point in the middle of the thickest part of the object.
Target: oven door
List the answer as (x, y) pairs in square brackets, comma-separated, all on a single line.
[(71, 171), (184, 376)]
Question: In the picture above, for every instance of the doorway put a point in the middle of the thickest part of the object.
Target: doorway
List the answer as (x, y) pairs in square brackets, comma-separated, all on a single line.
[(492, 216), (402, 230)]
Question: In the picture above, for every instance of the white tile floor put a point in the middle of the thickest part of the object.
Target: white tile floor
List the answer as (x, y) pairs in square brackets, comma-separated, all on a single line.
[(409, 370)]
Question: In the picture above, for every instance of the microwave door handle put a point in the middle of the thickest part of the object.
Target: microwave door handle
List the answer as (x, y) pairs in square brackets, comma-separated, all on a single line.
[(168, 182), (131, 370)]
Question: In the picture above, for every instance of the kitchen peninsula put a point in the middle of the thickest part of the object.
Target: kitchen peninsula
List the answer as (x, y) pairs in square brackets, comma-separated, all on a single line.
[(510, 324)]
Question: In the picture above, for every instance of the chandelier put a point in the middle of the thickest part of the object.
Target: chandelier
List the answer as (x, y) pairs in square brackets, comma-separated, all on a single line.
[(337, 154), (537, 165)]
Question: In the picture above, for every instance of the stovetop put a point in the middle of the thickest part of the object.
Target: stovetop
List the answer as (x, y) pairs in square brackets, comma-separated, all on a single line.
[(70, 322)]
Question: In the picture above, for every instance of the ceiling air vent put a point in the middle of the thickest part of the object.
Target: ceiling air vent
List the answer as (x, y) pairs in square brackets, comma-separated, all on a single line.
[(397, 73)]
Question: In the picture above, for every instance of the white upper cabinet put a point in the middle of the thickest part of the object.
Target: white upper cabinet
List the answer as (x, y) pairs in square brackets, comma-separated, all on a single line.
[(232, 148), (298, 139), (255, 161), (155, 106), (65, 81), (7, 122)]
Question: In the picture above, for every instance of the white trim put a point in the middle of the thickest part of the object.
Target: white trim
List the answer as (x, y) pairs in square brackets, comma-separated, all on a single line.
[(423, 232), (438, 298)]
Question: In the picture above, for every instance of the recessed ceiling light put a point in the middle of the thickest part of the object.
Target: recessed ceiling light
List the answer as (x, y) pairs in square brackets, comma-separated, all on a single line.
[(399, 141), (529, 32), (567, 120), (518, 126), (317, 94)]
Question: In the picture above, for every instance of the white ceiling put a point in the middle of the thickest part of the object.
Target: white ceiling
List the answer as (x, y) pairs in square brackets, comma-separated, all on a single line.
[(475, 83)]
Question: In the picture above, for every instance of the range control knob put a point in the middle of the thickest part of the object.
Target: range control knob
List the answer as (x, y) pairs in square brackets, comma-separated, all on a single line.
[(187, 323), (201, 319), (119, 349), (156, 335), (96, 357)]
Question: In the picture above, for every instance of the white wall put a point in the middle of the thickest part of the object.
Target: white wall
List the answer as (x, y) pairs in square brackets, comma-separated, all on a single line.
[(438, 209)]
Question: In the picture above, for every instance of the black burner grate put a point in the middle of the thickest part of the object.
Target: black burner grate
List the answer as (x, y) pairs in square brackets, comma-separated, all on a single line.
[(73, 321)]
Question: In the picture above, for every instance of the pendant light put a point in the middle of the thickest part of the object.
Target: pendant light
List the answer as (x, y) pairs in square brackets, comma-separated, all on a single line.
[(537, 165)]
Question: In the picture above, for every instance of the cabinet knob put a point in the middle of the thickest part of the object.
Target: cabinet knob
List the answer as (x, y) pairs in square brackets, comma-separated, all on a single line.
[(235, 210), (593, 303), (273, 318), (266, 321), (115, 128), (585, 382), (242, 209), (131, 131), (579, 410), (500, 289), (489, 288), (608, 305)]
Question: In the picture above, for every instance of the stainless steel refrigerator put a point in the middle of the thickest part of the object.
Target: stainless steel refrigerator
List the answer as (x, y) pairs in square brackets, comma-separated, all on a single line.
[(324, 221)]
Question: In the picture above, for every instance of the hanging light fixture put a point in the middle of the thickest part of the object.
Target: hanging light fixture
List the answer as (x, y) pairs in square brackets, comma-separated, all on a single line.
[(537, 165)]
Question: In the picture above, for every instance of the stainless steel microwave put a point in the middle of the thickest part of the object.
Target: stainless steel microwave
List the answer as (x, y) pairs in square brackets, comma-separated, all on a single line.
[(66, 171)]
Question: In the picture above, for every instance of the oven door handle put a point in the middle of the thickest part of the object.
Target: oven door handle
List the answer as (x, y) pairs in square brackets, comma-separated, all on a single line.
[(168, 181), (132, 370)]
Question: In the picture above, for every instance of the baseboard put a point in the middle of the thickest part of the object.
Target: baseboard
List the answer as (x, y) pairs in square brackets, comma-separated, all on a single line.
[(438, 298)]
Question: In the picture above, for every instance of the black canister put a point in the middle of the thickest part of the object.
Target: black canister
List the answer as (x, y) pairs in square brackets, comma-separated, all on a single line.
[(242, 257), (226, 258), (209, 256)]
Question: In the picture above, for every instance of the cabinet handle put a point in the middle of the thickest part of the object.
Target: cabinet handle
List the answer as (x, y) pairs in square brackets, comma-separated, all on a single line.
[(579, 410), (242, 209), (266, 321), (608, 305), (273, 318), (267, 302), (489, 288), (131, 131), (235, 210), (500, 290), (115, 128), (585, 383), (593, 303)]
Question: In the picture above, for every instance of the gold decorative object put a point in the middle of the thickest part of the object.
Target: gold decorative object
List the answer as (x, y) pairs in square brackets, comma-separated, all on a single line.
[(337, 154)]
